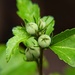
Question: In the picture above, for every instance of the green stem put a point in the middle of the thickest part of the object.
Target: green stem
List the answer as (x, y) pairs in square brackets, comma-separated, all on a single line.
[(40, 63)]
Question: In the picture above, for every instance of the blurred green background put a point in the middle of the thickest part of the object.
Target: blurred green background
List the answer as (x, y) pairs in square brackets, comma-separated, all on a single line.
[(16, 65)]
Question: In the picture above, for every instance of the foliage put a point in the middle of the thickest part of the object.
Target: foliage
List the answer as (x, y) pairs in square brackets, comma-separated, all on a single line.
[(20, 33), (28, 11), (63, 45)]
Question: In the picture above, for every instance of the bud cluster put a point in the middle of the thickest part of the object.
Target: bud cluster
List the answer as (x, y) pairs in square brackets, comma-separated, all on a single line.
[(35, 43), (33, 28), (33, 50)]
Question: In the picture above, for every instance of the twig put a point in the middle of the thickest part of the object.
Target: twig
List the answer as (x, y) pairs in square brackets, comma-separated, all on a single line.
[(40, 63)]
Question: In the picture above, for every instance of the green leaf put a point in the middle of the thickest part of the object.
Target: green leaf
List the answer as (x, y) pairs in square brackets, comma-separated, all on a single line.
[(20, 31), (63, 45), (49, 23), (36, 13), (28, 11), (13, 43)]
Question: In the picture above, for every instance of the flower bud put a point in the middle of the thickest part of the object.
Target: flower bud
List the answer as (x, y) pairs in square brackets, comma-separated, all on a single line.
[(42, 24), (44, 41), (35, 52), (31, 42), (32, 28), (32, 53), (29, 56)]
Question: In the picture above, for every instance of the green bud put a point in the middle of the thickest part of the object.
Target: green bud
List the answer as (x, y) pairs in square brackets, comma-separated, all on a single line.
[(35, 52), (42, 24), (29, 56), (44, 41), (31, 42), (32, 53), (32, 28)]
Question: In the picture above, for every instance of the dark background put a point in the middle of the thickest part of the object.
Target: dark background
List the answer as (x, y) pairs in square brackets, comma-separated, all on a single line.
[(62, 10)]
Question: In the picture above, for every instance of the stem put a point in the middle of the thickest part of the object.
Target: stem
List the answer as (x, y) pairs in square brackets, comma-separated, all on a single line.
[(40, 63)]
